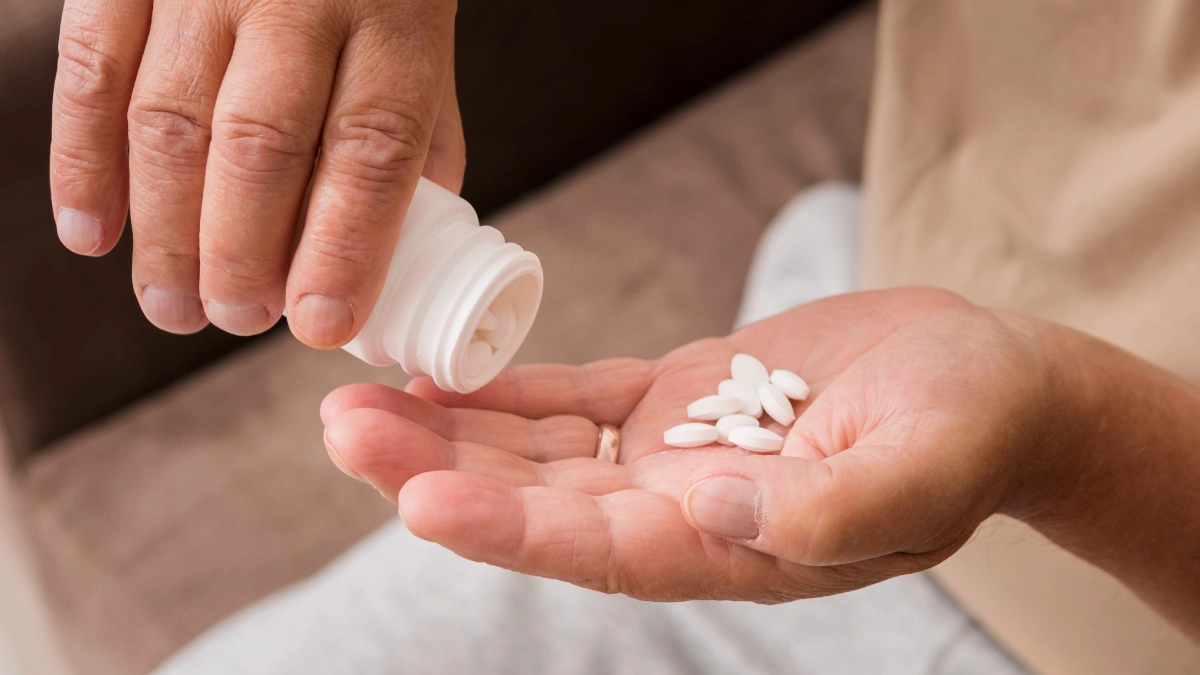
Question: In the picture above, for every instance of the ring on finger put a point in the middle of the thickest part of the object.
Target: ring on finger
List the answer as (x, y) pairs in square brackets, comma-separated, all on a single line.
[(608, 443)]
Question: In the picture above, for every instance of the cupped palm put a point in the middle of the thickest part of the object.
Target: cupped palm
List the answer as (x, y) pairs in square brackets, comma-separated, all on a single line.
[(920, 415)]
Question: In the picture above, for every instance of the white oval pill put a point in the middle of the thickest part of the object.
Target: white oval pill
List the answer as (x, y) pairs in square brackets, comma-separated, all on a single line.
[(713, 407), (792, 385), (775, 404), (743, 392), (505, 328), (479, 356), (486, 322), (690, 435), (756, 439), (730, 422), (746, 368)]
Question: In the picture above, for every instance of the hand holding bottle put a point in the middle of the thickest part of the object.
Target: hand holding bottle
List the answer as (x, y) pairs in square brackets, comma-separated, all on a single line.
[(202, 119)]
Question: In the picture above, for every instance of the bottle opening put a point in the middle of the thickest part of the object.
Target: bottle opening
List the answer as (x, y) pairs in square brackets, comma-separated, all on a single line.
[(495, 324), (501, 328)]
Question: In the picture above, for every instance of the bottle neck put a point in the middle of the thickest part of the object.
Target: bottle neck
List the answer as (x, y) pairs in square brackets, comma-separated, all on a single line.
[(481, 276), (457, 301)]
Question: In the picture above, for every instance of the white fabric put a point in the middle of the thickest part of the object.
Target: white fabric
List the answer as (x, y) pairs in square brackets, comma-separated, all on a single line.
[(810, 251), (396, 604)]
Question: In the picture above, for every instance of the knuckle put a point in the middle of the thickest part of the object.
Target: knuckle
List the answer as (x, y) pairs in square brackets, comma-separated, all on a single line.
[(254, 145), (168, 134), (374, 145), (243, 270), (344, 248), (88, 76), (165, 255), (71, 161), (305, 21)]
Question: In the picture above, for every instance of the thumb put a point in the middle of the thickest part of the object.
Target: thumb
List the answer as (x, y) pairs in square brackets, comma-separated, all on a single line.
[(862, 503)]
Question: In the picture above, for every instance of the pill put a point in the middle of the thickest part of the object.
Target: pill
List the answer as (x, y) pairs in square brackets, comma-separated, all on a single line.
[(479, 356), (713, 407), (690, 435), (744, 393), (792, 385), (746, 368), (486, 322), (506, 326), (775, 404), (731, 422), (756, 439)]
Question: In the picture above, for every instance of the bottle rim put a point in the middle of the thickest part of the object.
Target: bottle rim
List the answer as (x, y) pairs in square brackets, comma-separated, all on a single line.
[(512, 276)]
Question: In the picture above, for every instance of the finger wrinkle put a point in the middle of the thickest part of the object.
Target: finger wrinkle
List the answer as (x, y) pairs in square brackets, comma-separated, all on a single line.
[(348, 254), (260, 146), (181, 252), (491, 462), (78, 160), (89, 74), (308, 29), (540, 452), (155, 124), (245, 271), (372, 150)]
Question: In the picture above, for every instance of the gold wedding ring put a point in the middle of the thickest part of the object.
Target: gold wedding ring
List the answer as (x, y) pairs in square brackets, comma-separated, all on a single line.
[(608, 443)]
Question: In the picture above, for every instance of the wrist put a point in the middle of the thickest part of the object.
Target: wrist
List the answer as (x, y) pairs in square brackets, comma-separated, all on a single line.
[(1112, 476), (1049, 453)]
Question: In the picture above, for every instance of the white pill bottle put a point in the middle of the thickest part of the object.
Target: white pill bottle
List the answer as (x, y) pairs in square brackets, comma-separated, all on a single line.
[(458, 300)]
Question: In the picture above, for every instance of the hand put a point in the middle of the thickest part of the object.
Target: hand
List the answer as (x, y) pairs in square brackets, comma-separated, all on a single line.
[(925, 414), (223, 105)]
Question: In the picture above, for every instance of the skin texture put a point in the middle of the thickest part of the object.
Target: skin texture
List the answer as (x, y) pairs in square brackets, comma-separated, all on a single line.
[(265, 150), (928, 414)]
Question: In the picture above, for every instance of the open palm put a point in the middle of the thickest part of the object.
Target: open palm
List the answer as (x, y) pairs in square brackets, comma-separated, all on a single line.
[(922, 410)]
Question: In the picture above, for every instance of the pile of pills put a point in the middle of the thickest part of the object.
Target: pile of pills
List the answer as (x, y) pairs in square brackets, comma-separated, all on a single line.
[(494, 330), (735, 408)]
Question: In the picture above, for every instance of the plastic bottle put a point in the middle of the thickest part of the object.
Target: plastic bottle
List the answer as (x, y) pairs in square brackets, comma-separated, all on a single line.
[(449, 281)]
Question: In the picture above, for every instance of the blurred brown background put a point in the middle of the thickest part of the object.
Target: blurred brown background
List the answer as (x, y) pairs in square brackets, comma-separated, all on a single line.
[(164, 482)]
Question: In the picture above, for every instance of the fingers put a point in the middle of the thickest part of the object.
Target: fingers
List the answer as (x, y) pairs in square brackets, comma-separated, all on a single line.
[(560, 534), (377, 396), (638, 541), (629, 541), (219, 225), (100, 46), (864, 503), (556, 533), (264, 141), (170, 121), (544, 440), (381, 116), (604, 391), (387, 450), (447, 159)]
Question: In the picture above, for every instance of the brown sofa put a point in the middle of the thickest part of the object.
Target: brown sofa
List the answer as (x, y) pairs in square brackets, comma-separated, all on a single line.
[(158, 498)]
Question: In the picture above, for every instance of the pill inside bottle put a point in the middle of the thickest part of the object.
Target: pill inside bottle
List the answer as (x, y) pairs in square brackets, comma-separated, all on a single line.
[(458, 300)]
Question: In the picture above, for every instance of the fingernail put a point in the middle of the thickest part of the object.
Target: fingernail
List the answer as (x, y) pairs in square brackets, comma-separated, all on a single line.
[(80, 232), (724, 506), (322, 321), (173, 312), (237, 317), (337, 459)]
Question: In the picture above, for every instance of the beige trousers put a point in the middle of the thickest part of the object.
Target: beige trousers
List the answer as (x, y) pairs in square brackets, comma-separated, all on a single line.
[(1044, 156)]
